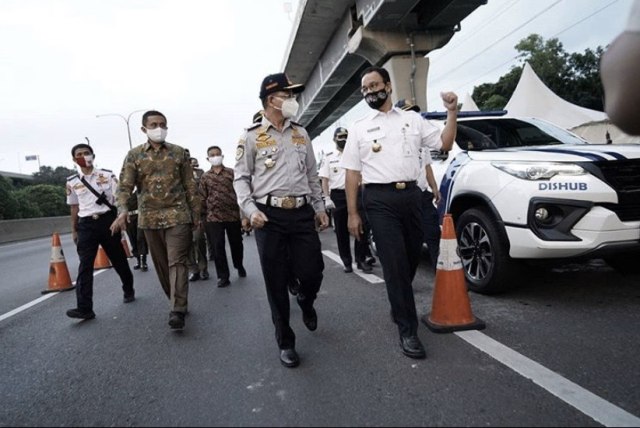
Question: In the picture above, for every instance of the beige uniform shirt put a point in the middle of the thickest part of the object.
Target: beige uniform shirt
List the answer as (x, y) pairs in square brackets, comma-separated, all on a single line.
[(270, 162)]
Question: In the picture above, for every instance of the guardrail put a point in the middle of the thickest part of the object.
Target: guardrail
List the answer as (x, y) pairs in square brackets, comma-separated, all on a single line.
[(24, 229)]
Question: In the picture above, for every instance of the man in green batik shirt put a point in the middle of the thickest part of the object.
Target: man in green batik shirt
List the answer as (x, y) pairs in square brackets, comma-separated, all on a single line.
[(168, 208)]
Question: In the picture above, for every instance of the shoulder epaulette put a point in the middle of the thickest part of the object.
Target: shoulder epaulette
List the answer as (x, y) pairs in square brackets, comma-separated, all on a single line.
[(297, 124), (71, 177), (106, 170), (254, 126)]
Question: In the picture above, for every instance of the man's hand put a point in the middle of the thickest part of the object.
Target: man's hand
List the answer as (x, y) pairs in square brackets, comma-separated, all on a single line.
[(322, 220), (258, 220), (119, 224), (246, 224), (436, 196), (450, 100), (355, 226), (74, 236), (329, 204)]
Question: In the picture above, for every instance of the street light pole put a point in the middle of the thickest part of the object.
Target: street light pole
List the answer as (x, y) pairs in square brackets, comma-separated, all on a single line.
[(126, 120)]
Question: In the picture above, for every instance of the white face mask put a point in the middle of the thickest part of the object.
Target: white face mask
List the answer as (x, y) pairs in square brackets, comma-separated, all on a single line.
[(215, 160), (157, 135), (289, 108)]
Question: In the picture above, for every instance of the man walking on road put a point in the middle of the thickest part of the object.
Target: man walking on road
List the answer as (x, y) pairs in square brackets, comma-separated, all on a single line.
[(383, 149), (198, 263), (222, 214), (277, 184), (168, 208), (90, 194)]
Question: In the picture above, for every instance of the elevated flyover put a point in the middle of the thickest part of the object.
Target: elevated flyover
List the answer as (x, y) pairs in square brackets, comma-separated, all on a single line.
[(335, 40)]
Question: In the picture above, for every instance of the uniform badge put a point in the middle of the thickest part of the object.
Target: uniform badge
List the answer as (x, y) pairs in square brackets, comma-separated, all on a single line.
[(239, 152), (269, 163), (376, 147), (335, 170)]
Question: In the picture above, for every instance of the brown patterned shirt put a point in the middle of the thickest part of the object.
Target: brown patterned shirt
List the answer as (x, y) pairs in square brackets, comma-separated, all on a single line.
[(219, 198), (167, 192)]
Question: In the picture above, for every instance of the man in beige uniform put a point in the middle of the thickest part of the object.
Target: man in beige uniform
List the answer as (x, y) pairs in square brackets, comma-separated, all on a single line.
[(277, 185), (168, 207)]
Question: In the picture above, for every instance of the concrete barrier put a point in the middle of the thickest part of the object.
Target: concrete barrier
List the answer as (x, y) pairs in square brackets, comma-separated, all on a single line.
[(24, 229)]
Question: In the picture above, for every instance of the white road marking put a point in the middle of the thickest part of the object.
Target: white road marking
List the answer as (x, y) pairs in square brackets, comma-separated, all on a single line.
[(39, 300), (586, 402), (373, 279)]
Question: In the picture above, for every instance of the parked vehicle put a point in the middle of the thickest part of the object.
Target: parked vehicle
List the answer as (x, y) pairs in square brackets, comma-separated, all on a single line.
[(524, 189)]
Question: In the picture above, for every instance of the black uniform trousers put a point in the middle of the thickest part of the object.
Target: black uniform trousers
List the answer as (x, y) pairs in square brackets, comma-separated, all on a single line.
[(136, 236), (340, 218), (395, 217), (215, 235), (91, 234), (293, 233), (431, 226)]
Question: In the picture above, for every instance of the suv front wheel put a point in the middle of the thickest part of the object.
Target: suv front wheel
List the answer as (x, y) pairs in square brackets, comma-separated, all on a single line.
[(483, 250)]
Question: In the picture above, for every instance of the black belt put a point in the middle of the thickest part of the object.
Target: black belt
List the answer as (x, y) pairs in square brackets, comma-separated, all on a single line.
[(398, 185), (95, 217), (338, 190)]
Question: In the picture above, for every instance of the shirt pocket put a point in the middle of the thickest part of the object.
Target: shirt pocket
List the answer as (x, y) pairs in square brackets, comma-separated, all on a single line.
[(371, 140), (301, 156)]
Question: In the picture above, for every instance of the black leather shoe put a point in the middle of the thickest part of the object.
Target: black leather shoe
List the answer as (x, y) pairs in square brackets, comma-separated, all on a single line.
[(204, 275), (310, 319), (83, 315), (289, 358), (176, 320), (348, 268), (364, 267), (128, 298), (241, 272), (223, 282), (412, 347), (370, 260), (194, 276)]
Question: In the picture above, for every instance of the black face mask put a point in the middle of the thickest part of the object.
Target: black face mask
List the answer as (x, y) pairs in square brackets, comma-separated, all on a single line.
[(341, 144), (375, 100)]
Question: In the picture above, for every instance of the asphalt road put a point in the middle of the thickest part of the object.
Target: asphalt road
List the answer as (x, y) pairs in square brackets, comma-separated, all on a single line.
[(560, 349)]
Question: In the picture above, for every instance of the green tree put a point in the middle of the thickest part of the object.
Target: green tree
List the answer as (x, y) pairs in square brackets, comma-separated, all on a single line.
[(48, 200), (9, 206), (574, 77), (48, 175)]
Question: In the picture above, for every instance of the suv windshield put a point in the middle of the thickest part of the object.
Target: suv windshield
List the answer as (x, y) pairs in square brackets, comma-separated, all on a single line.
[(483, 134)]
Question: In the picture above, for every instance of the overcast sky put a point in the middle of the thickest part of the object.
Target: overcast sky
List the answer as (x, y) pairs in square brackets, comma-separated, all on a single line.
[(201, 63)]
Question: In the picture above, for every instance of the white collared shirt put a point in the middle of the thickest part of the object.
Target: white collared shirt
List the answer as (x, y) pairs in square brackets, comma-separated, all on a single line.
[(330, 168), (102, 180), (400, 136)]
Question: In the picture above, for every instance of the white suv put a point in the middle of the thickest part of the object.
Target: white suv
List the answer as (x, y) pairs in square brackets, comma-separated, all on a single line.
[(523, 188)]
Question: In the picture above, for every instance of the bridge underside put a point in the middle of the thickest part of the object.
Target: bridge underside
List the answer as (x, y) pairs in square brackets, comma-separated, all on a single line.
[(335, 40)]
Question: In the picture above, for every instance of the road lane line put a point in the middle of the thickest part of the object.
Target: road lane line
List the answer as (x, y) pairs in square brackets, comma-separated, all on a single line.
[(39, 300), (586, 402), (373, 279)]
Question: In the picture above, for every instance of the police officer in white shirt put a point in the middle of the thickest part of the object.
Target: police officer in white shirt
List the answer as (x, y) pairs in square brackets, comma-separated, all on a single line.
[(91, 217), (384, 148), (276, 182), (333, 176)]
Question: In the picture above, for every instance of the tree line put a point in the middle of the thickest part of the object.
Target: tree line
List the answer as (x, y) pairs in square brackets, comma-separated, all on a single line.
[(574, 77)]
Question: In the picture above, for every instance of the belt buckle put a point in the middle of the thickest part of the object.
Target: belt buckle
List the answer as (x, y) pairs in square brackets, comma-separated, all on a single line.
[(401, 186), (288, 202), (95, 216)]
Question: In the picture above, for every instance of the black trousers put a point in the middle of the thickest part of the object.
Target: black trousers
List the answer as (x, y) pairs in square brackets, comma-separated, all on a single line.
[(431, 226), (289, 232), (215, 235), (91, 234), (395, 218), (340, 218)]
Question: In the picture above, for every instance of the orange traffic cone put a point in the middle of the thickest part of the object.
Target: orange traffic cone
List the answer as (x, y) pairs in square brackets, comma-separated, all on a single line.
[(59, 279), (450, 308), (126, 245), (101, 261)]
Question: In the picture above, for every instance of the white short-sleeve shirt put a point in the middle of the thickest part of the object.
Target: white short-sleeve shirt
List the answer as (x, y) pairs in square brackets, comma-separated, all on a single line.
[(400, 135), (332, 170)]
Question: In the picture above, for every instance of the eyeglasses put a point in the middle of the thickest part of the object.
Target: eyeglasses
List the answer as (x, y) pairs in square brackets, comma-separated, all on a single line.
[(371, 87)]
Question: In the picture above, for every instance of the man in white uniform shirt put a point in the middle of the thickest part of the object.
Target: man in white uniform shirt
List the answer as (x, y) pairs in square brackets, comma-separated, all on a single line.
[(384, 148), (333, 179)]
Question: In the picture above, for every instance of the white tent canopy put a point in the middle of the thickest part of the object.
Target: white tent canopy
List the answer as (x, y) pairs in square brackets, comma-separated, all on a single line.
[(533, 98), (468, 104)]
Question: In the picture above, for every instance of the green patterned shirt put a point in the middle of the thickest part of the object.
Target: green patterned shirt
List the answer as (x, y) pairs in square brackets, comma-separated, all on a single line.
[(167, 190)]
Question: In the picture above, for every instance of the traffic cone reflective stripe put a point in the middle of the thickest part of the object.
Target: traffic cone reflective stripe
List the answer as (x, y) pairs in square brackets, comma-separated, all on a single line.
[(59, 278), (101, 261), (450, 306)]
